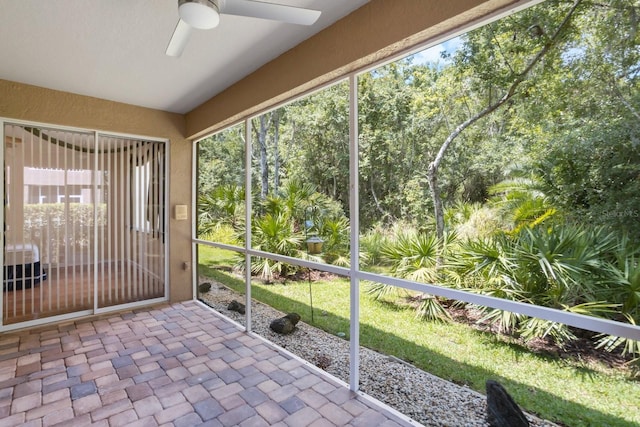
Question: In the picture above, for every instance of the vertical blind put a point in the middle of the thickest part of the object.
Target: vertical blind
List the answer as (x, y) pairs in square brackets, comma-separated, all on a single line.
[(84, 221)]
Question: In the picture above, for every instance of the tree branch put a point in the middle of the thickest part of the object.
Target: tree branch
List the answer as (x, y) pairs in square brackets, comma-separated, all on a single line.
[(625, 102), (510, 92)]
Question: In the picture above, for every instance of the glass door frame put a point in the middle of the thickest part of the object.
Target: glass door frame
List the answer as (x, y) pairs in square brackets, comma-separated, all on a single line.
[(96, 309)]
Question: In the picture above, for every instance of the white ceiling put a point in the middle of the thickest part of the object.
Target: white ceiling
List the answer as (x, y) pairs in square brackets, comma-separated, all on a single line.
[(114, 49)]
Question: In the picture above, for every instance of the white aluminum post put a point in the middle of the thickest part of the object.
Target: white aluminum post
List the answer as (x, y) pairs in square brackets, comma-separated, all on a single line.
[(195, 260), (247, 222), (354, 215), (166, 236), (96, 255)]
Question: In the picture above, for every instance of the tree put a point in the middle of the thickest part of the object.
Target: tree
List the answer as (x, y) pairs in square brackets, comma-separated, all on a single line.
[(317, 151), (390, 150), (221, 160), (588, 157), (501, 88)]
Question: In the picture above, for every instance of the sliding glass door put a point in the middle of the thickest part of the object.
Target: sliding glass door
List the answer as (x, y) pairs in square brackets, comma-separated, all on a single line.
[(131, 261), (83, 220)]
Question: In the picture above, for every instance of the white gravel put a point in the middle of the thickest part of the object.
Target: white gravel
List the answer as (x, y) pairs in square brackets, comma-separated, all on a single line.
[(419, 395)]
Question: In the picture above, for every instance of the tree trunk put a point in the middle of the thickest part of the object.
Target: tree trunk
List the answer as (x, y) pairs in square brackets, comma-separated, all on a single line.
[(275, 118), (264, 167), (432, 177)]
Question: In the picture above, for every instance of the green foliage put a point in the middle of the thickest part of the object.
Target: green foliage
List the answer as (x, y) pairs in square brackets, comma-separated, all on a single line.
[(473, 220), (626, 346), (522, 201), (276, 234), (307, 213), (279, 225), (380, 291), (620, 284), (430, 308), (371, 245), (223, 234), (80, 214), (563, 267), (413, 256), (592, 173), (224, 205), (336, 235), (292, 199), (620, 280), (221, 160)]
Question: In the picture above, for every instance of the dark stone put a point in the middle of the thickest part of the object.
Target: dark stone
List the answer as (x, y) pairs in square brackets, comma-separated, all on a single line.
[(502, 410), (204, 287), (286, 324), (236, 306)]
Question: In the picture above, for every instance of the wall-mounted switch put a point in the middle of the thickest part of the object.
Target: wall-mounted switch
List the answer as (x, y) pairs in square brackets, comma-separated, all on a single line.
[(181, 212)]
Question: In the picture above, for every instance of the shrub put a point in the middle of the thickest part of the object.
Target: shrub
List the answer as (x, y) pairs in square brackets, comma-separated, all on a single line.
[(563, 267)]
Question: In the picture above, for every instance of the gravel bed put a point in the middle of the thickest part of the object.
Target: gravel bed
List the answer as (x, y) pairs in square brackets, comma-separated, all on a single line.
[(419, 395)]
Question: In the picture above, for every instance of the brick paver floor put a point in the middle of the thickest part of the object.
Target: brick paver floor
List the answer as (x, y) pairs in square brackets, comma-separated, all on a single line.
[(177, 365)]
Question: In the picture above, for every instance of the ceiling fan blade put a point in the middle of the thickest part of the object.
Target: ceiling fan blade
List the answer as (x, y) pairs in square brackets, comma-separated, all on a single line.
[(272, 11), (179, 39)]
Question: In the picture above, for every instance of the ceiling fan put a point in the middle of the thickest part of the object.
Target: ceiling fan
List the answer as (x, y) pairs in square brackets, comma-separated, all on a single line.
[(205, 14)]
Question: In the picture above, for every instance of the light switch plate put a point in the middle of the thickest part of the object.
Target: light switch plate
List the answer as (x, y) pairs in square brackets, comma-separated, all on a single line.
[(181, 212)]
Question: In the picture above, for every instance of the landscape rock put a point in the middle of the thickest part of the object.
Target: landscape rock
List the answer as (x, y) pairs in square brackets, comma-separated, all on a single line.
[(502, 410), (236, 306), (204, 287), (286, 324)]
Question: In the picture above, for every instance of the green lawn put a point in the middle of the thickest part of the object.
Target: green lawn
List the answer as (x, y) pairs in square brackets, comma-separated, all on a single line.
[(557, 389)]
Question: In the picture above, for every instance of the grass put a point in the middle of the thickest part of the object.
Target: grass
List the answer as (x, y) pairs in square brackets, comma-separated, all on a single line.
[(561, 390)]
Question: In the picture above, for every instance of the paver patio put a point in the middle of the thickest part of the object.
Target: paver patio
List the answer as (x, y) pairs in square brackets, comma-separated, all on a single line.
[(177, 364)]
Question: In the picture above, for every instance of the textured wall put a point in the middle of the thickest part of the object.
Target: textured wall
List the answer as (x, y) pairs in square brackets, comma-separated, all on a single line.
[(31, 103)]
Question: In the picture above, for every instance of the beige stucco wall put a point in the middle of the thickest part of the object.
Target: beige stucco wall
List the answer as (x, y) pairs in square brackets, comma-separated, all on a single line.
[(35, 104), (376, 31)]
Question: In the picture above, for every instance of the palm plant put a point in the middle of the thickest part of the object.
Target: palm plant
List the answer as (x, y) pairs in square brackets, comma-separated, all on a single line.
[(611, 343), (621, 285), (413, 256), (460, 213), (371, 245), (275, 234), (481, 222), (485, 266), (522, 200), (553, 267), (292, 199), (335, 233), (222, 206)]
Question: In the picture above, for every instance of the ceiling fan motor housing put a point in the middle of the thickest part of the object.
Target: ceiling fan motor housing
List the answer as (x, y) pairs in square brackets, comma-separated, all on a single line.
[(200, 14)]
